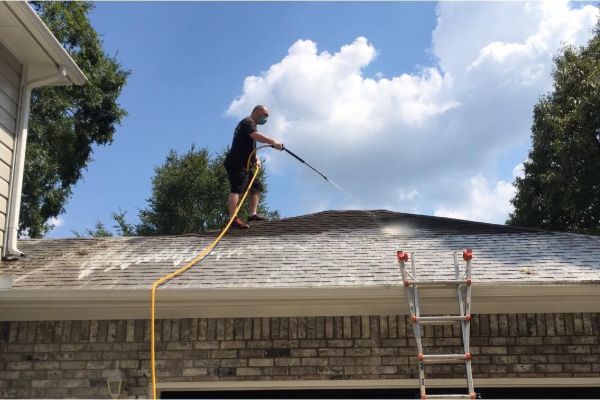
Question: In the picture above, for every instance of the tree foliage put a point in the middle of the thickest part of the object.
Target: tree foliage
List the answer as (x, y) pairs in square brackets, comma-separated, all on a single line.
[(67, 121), (189, 194), (560, 189), (99, 230), (121, 227)]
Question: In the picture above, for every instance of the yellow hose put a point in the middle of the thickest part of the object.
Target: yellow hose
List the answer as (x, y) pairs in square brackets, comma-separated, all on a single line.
[(189, 265)]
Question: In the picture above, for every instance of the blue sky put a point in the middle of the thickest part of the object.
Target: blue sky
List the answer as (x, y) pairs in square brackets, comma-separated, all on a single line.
[(386, 98)]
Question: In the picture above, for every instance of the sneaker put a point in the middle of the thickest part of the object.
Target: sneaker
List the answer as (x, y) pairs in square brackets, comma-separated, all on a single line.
[(256, 217), (239, 224)]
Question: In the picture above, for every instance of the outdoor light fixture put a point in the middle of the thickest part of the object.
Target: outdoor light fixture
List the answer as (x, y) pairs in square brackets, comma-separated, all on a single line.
[(114, 380)]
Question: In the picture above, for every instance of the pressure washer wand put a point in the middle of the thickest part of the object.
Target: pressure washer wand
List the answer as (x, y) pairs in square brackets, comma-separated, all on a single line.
[(311, 167)]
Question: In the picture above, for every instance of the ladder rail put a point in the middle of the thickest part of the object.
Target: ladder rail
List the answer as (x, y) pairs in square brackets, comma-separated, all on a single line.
[(417, 328), (412, 297), (466, 331)]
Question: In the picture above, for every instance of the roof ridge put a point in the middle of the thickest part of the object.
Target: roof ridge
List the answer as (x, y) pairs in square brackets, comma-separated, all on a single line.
[(332, 220)]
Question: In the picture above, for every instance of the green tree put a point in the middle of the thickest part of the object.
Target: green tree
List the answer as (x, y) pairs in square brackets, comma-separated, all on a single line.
[(99, 230), (560, 189), (189, 194), (67, 121), (121, 227)]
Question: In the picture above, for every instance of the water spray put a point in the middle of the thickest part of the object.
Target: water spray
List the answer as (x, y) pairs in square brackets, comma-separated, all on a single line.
[(311, 167), (350, 196)]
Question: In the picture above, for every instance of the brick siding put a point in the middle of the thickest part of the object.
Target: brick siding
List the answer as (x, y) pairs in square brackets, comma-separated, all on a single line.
[(69, 358)]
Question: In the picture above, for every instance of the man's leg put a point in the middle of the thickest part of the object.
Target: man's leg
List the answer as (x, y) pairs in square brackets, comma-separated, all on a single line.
[(232, 202), (257, 189), (253, 202), (236, 181)]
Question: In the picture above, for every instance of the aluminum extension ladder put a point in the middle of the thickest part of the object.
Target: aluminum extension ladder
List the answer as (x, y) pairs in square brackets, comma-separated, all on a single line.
[(463, 287)]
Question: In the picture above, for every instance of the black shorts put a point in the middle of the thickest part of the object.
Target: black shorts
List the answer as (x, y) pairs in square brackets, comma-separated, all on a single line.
[(239, 179)]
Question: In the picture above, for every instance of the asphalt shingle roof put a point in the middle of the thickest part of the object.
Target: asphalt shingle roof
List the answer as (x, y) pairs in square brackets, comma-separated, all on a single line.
[(327, 249)]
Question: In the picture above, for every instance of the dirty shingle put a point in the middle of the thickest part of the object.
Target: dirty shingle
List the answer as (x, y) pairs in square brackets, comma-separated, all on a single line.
[(327, 249)]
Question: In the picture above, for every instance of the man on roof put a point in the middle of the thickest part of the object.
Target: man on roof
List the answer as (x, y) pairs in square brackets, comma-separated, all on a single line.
[(244, 141)]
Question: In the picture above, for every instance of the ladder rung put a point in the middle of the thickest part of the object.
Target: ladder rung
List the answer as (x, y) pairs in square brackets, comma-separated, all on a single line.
[(444, 358), (440, 319), (450, 396), (449, 282)]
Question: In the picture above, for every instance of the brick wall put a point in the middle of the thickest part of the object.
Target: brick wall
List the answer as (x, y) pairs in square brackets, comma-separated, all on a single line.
[(70, 358)]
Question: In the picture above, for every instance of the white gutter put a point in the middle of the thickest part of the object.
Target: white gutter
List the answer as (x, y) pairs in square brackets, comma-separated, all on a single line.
[(14, 208), (50, 303)]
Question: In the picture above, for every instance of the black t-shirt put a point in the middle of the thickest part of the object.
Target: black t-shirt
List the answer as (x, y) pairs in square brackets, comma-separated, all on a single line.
[(242, 144)]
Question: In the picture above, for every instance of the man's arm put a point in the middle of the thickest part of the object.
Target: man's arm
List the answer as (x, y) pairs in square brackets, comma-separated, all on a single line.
[(259, 137)]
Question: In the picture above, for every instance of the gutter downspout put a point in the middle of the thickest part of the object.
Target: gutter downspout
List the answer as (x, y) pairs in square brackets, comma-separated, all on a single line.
[(12, 253)]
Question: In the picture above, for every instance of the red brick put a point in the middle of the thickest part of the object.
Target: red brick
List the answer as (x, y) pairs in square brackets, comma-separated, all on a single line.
[(287, 362), (385, 351), (577, 349), (549, 368), (339, 343), (233, 344), (342, 361), (304, 352), (331, 352), (577, 368), (494, 350), (260, 362), (248, 371), (584, 339), (312, 362), (359, 352), (365, 327), (522, 368), (394, 360), (368, 360)]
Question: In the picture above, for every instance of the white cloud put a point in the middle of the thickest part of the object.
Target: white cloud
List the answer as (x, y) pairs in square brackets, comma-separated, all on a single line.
[(518, 171), (527, 60), (482, 202), (416, 141), (56, 222), (309, 88)]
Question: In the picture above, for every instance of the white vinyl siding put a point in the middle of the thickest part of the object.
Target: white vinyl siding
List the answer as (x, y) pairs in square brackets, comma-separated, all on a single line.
[(10, 79)]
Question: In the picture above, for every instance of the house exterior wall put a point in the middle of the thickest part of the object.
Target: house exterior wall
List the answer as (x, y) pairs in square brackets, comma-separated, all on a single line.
[(69, 358), (10, 82)]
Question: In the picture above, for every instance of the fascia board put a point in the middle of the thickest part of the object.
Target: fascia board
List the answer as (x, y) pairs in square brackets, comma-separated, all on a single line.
[(81, 304), (300, 384)]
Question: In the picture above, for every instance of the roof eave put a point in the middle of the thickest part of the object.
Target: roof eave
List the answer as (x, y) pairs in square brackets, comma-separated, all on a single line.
[(40, 32), (90, 304)]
